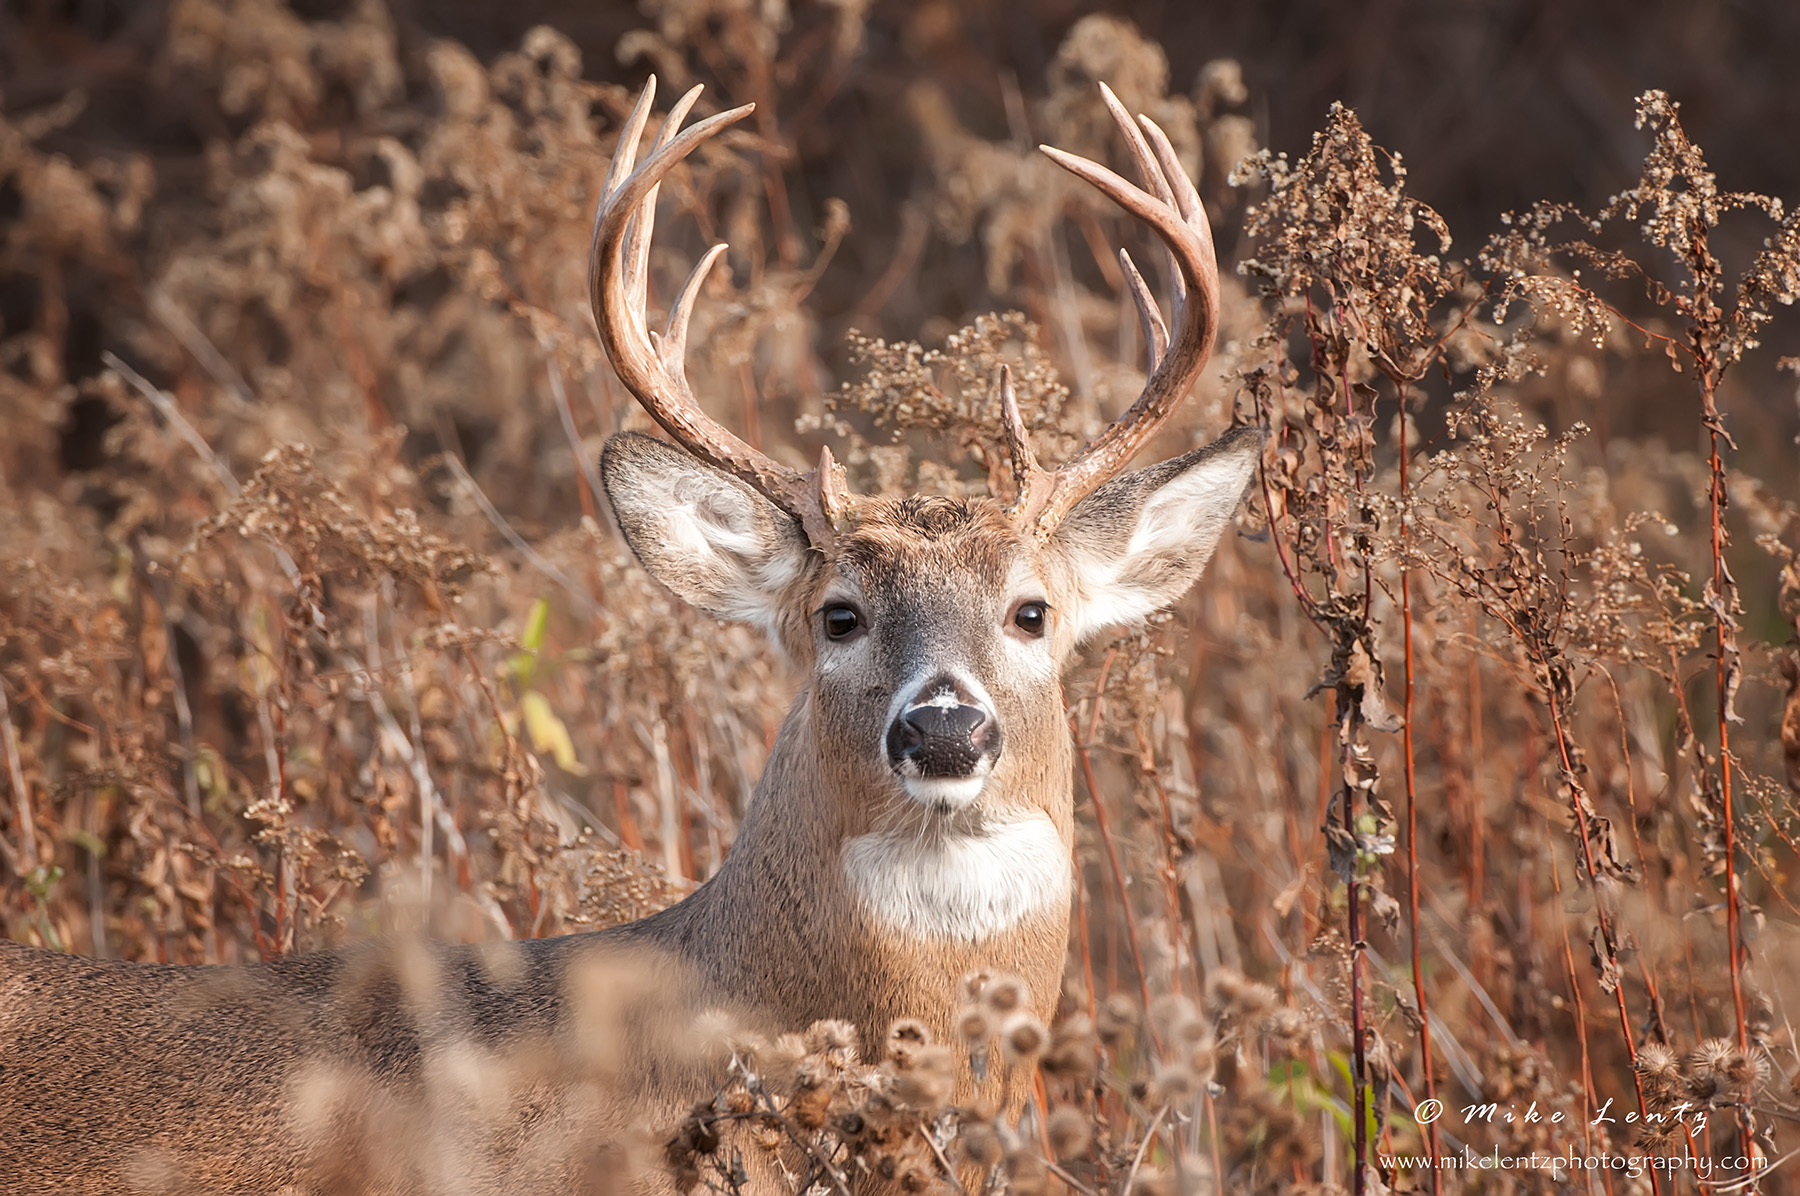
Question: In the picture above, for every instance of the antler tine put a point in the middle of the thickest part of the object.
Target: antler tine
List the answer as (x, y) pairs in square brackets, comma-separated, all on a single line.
[(1152, 172), (1025, 468), (1177, 217), (1148, 167), (651, 366), (625, 153), (673, 349), (1156, 334), (1187, 199), (643, 222)]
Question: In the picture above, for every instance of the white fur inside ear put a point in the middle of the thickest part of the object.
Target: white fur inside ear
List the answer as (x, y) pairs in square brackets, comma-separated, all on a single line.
[(1171, 539), (704, 534), (717, 530), (1194, 505)]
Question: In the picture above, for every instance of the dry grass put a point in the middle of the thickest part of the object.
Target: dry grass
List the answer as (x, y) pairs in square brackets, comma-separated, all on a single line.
[(1468, 772)]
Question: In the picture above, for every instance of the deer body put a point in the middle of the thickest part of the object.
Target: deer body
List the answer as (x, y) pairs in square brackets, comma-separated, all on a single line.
[(914, 822)]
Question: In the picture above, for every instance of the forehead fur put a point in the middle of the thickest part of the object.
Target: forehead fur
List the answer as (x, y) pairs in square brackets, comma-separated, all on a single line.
[(894, 535)]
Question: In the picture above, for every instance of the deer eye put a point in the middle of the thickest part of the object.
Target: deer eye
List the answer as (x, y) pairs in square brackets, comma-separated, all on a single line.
[(1031, 617), (841, 621)]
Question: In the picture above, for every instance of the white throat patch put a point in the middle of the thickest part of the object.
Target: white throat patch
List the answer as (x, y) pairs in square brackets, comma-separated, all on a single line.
[(963, 887)]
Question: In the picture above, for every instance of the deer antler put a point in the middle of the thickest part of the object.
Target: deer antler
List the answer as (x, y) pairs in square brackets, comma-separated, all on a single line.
[(651, 365), (1175, 214)]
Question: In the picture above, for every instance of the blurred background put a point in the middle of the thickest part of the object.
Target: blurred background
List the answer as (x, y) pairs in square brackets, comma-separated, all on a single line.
[(313, 622)]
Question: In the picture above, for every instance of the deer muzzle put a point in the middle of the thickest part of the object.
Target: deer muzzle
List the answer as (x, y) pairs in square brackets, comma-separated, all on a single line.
[(943, 743)]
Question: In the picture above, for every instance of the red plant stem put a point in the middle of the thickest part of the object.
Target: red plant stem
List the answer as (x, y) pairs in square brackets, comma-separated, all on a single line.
[(1731, 877), (1587, 1068), (1353, 926), (1412, 808), (1087, 949), (1705, 329), (1097, 1092), (1477, 750), (1587, 853), (1349, 715), (1171, 846), (1112, 857)]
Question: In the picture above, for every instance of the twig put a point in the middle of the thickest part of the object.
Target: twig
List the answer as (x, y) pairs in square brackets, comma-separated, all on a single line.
[(937, 1153), (170, 315), (1749, 1179), (588, 605), (1149, 1136), (1118, 871), (21, 796), (1059, 1172), (567, 416), (165, 406)]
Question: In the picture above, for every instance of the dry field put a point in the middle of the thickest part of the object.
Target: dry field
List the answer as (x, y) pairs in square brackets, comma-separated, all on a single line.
[(1468, 773)]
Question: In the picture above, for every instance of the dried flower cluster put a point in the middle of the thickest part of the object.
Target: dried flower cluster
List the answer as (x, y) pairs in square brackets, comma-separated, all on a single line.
[(1468, 773)]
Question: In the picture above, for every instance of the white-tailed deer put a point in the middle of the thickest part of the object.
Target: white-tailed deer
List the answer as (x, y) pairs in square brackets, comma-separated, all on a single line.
[(914, 822)]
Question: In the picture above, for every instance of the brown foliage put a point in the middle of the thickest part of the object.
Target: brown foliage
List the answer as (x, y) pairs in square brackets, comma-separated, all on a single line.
[(312, 622)]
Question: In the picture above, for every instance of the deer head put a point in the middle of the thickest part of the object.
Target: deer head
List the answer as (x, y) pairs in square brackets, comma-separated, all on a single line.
[(934, 632)]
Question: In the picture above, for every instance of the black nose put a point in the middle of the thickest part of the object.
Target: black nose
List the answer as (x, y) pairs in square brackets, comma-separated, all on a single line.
[(942, 736)]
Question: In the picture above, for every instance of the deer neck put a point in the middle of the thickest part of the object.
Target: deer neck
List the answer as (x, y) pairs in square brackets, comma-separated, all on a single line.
[(819, 913)]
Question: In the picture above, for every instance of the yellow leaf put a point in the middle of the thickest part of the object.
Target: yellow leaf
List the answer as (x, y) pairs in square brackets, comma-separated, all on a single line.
[(548, 734)]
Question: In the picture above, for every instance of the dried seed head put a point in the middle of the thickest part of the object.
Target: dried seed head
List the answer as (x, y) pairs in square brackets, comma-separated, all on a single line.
[(1286, 1024), (1181, 1021), (973, 1025), (1023, 1038), (1234, 995), (1026, 1174), (1070, 1131), (973, 985), (1118, 1017), (780, 1063), (834, 1038), (906, 1036), (1173, 1084), (1742, 1072), (1705, 1068), (1004, 994), (1710, 1057), (1654, 1138), (928, 1078), (1172, 1011), (1074, 1050), (979, 1143), (1660, 1068)]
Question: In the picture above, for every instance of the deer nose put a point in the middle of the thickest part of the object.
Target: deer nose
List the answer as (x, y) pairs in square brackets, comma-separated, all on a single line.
[(944, 735)]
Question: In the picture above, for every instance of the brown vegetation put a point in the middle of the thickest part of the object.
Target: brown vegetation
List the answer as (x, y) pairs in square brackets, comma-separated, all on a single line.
[(1468, 772)]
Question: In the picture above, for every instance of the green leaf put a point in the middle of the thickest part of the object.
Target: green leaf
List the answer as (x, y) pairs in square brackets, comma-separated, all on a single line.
[(524, 664)]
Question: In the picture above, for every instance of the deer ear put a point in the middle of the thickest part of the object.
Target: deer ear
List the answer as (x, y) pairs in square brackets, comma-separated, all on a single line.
[(1136, 544), (711, 539)]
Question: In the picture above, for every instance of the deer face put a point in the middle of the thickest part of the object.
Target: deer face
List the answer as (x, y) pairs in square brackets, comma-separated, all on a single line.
[(935, 631)]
